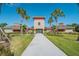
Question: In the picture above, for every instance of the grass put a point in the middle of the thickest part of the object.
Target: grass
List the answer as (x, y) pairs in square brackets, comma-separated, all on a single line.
[(70, 36), (19, 43), (67, 43)]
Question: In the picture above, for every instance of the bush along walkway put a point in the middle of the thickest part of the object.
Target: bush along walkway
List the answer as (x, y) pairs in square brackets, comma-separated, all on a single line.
[(41, 46)]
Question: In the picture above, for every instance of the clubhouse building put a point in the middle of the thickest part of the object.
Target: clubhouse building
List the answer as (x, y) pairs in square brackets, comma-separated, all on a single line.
[(39, 24)]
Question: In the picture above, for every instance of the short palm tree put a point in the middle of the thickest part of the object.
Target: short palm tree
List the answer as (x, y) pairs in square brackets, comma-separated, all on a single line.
[(24, 28), (57, 13), (3, 24), (23, 14), (50, 22)]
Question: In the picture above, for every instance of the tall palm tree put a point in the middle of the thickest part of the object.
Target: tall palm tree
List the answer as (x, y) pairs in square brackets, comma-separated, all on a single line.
[(26, 18), (50, 22), (57, 13), (23, 14)]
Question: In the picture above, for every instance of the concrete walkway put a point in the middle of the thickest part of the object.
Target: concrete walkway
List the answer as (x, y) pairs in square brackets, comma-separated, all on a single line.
[(41, 46)]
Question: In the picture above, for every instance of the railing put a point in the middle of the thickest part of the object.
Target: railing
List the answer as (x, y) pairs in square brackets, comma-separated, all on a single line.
[(4, 42)]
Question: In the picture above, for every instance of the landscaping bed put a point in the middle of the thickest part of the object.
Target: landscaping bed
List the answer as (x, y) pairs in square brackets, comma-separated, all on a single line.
[(20, 42), (66, 42)]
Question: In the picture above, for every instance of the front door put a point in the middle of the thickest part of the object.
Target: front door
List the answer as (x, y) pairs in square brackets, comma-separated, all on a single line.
[(39, 31)]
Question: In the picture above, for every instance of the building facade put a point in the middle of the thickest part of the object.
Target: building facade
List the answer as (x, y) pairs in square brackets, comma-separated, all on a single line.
[(39, 24), (61, 27), (16, 27)]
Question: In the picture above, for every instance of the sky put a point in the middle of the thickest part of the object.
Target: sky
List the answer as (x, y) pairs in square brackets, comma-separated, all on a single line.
[(10, 16)]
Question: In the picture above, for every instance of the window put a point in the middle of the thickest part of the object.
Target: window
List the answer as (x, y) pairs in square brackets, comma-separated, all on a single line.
[(38, 23)]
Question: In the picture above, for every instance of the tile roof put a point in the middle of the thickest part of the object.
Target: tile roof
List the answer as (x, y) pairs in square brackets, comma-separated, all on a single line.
[(38, 18)]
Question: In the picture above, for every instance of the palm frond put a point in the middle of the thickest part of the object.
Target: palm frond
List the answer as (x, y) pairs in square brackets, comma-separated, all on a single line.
[(27, 17), (57, 13), (21, 11), (62, 13), (50, 20)]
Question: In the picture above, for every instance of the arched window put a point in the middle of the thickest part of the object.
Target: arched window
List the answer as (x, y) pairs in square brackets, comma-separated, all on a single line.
[(38, 23)]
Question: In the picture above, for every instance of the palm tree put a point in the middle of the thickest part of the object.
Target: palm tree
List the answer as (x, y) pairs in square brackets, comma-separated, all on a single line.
[(77, 30), (24, 28), (50, 22), (21, 11), (23, 14), (57, 13), (26, 18), (3, 24)]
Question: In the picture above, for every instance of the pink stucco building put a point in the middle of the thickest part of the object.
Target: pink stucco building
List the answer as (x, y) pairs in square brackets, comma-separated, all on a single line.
[(39, 24)]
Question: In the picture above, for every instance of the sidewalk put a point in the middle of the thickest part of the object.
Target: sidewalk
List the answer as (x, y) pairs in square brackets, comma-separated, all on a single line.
[(41, 46)]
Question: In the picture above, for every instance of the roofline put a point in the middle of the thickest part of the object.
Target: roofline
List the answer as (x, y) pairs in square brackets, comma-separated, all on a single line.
[(38, 17)]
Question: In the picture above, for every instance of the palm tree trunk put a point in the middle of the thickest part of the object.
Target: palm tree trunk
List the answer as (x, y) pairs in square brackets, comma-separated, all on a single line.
[(56, 26), (50, 27), (21, 31), (27, 29)]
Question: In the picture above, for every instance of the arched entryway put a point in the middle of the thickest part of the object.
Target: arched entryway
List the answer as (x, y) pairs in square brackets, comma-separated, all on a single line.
[(39, 30)]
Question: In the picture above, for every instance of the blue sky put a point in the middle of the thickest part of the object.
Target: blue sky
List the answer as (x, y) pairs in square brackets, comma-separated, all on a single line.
[(10, 16)]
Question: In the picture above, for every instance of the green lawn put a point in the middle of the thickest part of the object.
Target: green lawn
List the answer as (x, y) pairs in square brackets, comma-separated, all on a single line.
[(19, 43), (67, 43)]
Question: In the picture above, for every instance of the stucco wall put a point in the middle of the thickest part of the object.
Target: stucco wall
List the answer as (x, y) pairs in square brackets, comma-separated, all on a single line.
[(41, 26)]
